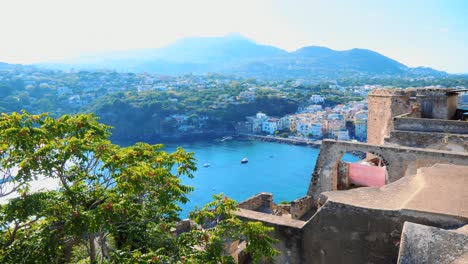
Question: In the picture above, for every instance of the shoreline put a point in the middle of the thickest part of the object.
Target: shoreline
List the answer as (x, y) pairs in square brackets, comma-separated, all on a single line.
[(289, 141)]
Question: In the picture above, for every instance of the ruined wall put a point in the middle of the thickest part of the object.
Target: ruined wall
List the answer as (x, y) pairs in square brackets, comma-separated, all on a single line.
[(437, 104), (301, 206), (340, 233), (430, 125), (383, 106), (431, 140), (260, 201), (396, 159), (288, 232), (452, 105)]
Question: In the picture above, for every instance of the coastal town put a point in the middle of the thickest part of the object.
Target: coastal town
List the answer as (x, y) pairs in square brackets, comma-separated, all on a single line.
[(313, 122), (196, 104)]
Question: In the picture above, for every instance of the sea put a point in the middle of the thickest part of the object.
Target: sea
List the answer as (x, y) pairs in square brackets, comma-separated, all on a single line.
[(281, 169)]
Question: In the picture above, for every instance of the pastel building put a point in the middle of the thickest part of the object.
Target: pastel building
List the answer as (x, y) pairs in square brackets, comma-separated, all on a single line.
[(360, 125), (270, 125)]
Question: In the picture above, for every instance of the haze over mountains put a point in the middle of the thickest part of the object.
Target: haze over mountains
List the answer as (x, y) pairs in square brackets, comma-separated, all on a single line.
[(237, 55)]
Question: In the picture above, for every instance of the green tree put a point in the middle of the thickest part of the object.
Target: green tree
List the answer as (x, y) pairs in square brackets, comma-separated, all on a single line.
[(113, 204)]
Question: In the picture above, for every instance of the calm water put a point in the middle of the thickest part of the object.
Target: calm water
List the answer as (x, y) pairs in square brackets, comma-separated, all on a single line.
[(283, 170)]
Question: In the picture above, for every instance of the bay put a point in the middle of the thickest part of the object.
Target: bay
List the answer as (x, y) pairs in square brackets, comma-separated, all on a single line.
[(284, 170)]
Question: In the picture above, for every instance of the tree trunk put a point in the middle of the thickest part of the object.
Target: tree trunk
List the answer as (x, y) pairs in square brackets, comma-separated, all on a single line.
[(92, 249), (103, 244)]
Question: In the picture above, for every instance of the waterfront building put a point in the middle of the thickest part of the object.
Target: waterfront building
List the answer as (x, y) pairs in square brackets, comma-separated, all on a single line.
[(360, 125), (270, 125)]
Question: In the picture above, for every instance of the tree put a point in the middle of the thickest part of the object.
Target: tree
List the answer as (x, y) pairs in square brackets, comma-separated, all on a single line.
[(113, 204)]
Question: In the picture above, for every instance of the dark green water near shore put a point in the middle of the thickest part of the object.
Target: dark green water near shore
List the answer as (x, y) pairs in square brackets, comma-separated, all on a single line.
[(281, 169)]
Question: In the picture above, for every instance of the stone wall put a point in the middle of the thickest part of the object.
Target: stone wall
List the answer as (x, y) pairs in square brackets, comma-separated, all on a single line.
[(425, 244), (262, 201), (301, 207), (383, 106), (398, 160), (442, 106), (430, 125), (431, 140), (287, 231), (341, 233)]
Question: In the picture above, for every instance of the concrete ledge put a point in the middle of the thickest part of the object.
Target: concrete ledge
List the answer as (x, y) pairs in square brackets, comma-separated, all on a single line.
[(286, 221), (425, 244)]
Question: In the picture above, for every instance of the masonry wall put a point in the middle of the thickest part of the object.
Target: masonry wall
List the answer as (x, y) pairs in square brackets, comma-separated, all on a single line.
[(443, 106), (430, 125), (340, 233), (260, 201), (383, 105), (289, 244), (431, 140), (301, 206), (287, 232)]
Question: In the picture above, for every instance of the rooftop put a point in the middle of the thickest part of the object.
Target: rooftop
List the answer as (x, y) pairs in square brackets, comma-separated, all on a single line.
[(439, 189)]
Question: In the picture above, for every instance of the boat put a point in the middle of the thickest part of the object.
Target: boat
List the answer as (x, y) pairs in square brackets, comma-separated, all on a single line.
[(226, 138), (206, 165), (244, 160)]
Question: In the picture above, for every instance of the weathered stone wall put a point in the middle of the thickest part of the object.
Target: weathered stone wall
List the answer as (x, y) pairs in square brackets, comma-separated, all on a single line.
[(288, 232), (301, 206), (383, 106), (289, 245), (343, 175), (396, 159), (430, 125), (340, 233), (260, 201), (443, 106), (425, 244), (431, 140)]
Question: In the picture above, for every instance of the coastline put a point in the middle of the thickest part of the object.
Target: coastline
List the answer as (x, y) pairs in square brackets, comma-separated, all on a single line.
[(290, 141)]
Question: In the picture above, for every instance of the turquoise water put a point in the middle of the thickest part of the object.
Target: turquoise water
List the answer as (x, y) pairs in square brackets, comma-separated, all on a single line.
[(283, 170)]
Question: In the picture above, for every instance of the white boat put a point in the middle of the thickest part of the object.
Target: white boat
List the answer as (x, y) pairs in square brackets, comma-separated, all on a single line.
[(206, 165), (244, 160)]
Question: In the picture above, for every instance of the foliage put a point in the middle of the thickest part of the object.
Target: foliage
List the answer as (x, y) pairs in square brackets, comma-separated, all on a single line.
[(114, 204)]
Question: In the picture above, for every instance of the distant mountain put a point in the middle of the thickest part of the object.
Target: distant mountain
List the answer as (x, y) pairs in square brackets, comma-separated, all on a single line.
[(235, 54), (7, 66)]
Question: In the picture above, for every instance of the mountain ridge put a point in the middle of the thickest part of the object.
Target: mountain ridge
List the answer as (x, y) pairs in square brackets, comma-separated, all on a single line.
[(238, 55)]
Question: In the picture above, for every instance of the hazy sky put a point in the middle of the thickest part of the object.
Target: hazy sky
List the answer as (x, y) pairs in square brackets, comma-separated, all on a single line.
[(417, 32)]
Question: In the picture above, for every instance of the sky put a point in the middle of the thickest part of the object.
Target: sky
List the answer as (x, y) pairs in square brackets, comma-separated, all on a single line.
[(431, 33)]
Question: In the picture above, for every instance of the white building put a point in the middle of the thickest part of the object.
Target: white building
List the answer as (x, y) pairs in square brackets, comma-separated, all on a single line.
[(283, 123), (311, 108), (257, 122), (316, 99), (360, 125), (306, 128), (261, 116), (342, 135), (247, 96), (270, 125)]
